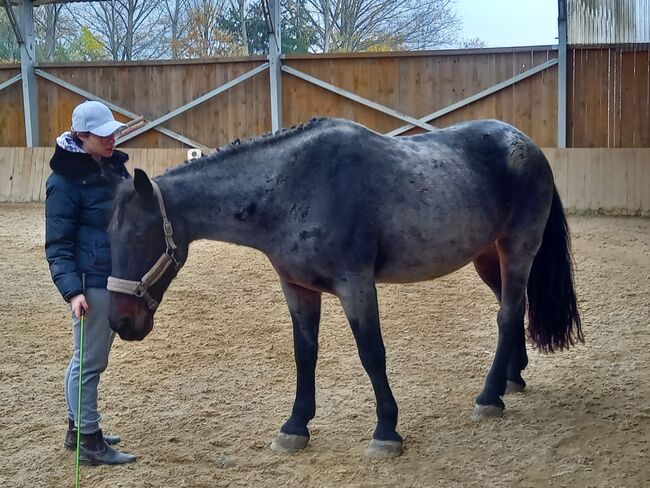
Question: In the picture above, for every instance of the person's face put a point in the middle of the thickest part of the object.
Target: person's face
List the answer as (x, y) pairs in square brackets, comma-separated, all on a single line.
[(98, 146)]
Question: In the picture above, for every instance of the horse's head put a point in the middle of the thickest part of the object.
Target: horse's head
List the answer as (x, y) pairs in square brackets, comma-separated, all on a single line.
[(147, 253)]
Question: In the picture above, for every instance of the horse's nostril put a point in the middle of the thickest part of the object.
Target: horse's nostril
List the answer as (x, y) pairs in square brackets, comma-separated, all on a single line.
[(123, 325)]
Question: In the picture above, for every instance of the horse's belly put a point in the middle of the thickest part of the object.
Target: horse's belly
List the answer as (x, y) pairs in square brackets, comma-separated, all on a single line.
[(422, 254), (412, 269)]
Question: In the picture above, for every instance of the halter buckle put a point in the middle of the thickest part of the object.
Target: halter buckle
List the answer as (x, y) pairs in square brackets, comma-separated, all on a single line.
[(167, 228), (139, 290), (170, 252)]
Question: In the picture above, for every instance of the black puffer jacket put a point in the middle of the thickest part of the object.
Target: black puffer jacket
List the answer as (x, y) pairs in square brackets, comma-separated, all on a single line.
[(78, 203)]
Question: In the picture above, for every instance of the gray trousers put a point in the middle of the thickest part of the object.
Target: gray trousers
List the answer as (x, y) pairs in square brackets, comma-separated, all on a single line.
[(98, 339)]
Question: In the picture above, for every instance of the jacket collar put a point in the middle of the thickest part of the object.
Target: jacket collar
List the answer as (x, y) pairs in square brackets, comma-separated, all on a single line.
[(75, 165)]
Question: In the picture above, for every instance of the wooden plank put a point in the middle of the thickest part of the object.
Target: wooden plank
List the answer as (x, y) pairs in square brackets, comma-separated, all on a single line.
[(46, 171), (578, 108), (20, 177), (602, 122), (643, 167), (134, 158), (623, 166), (505, 98), (614, 165), (629, 100), (561, 174), (544, 124), (145, 161), (641, 124), (36, 176), (593, 182), (7, 156), (12, 121), (578, 172), (612, 92)]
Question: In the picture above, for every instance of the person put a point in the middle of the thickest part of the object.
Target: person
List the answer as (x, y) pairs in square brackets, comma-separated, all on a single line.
[(79, 196)]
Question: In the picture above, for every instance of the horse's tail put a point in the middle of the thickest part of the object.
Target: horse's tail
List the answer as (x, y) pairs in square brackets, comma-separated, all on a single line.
[(553, 317)]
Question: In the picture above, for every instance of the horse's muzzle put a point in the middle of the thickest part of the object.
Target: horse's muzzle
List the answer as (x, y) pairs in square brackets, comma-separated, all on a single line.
[(129, 317)]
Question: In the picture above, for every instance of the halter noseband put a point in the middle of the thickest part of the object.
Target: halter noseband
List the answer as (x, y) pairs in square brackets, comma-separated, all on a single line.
[(141, 288)]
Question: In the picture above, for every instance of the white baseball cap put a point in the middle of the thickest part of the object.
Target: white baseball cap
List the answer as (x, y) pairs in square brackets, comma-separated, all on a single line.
[(95, 117)]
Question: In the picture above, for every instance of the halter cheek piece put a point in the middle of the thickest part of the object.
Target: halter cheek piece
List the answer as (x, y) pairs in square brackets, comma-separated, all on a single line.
[(141, 288)]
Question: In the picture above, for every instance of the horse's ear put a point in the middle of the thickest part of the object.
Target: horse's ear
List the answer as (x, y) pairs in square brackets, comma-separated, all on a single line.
[(142, 184)]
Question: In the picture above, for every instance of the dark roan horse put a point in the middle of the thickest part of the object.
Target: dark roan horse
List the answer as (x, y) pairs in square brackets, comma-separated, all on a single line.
[(337, 208)]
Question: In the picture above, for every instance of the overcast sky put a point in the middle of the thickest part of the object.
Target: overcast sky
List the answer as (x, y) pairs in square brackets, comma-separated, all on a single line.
[(509, 22)]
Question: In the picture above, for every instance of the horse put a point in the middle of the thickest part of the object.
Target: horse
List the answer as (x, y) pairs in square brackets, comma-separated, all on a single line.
[(337, 208)]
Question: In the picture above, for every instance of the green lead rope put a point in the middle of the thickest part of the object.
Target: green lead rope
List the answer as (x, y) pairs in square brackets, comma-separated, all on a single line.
[(81, 356)]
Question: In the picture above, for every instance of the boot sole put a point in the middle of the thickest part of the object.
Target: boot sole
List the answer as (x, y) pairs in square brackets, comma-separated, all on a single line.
[(88, 462)]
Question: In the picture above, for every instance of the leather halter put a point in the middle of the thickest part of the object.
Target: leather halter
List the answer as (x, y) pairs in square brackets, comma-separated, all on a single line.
[(140, 288)]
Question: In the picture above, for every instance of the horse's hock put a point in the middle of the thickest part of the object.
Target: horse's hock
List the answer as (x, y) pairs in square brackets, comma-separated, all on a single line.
[(201, 399)]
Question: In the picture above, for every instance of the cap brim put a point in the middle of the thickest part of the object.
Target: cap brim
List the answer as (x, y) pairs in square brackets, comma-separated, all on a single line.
[(108, 128)]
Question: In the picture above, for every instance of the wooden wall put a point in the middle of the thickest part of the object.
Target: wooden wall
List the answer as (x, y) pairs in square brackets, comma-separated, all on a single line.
[(419, 85), (608, 97), (155, 89), (608, 94), (610, 181), (12, 120), (603, 181), (413, 83)]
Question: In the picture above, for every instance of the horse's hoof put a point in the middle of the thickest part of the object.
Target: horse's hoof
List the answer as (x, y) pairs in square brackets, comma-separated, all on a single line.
[(383, 449), (289, 443), (514, 387), (484, 411)]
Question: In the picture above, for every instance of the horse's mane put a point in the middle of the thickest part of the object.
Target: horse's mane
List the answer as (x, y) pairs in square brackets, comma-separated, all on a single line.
[(238, 146)]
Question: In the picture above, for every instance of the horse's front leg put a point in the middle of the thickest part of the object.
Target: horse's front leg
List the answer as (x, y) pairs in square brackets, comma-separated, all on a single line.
[(304, 306), (359, 301)]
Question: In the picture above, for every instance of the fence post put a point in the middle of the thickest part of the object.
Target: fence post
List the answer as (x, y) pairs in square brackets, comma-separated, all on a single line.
[(275, 64), (27, 63), (561, 72)]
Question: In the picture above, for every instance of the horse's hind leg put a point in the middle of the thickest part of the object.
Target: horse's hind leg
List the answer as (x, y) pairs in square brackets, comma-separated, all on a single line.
[(487, 266), (359, 300), (516, 254), (304, 306)]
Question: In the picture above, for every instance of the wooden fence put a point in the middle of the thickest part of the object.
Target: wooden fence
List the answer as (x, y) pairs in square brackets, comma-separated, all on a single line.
[(608, 94), (609, 181)]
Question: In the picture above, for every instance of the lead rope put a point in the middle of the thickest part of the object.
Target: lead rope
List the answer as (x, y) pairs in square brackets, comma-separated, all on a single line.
[(81, 356)]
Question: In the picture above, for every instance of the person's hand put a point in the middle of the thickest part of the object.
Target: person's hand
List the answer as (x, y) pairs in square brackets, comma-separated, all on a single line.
[(78, 303)]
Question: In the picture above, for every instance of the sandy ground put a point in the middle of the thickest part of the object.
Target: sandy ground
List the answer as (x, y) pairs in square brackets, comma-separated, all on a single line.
[(200, 400)]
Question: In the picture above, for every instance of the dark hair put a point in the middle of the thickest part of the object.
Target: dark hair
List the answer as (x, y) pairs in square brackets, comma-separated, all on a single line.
[(77, 139)]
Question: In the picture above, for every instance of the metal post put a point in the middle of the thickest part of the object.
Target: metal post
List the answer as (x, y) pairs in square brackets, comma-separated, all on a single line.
[(27, 63), (275, 64), (561, 71)]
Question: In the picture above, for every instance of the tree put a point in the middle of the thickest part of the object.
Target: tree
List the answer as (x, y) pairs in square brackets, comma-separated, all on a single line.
[(298, 32), (175, 19), (239, 8), (205, 37), (85, 47), (473, 43), (9, 49), (54, 31), (361, 25), (130, 29)]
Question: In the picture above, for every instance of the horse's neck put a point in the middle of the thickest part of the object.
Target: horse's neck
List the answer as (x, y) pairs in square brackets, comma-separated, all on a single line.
[(224, 202)]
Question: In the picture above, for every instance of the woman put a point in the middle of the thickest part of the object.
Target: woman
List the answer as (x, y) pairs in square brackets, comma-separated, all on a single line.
[(85, 172)]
